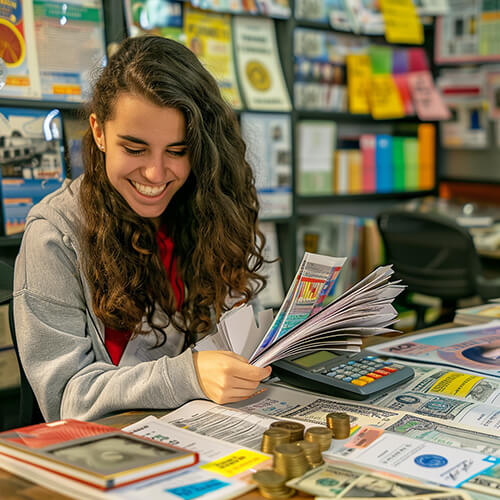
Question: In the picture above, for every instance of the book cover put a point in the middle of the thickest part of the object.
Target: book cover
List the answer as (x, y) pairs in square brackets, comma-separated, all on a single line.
[(258, 63), (398, 160), (355, 171), (31, 161), (426, 155), (316, 146), (209, 37), (69, 43), (341, 172), (384, 164), (19, 75), (410, 149), (269, 151), (93, 454), (367, 145)]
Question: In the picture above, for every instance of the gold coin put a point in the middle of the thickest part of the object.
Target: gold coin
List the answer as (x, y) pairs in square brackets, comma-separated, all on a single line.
[(258, 75)]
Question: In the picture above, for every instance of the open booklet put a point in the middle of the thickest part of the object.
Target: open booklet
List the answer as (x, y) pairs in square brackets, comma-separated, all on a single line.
[(303, 323)]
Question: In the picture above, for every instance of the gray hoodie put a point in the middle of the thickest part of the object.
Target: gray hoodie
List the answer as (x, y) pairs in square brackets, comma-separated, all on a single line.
[(61, 341)]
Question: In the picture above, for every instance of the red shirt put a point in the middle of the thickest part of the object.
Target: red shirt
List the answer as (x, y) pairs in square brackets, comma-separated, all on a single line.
[(116, 340)]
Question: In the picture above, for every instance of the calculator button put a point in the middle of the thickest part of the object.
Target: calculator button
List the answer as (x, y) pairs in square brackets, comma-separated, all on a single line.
[(389, 369), (380, 360), (342, 366), (347, 379), (398, 367), (358, 382), (370, 357), (339, 376), (331, 374), (351, 363), (382, 372), (366, 379), (374, 375)]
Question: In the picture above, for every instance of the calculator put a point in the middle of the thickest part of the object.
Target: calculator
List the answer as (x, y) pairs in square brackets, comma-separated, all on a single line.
[(352, 376)]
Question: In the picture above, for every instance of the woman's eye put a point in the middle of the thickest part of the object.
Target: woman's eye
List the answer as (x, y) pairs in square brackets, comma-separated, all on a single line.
[(182, 152), (131, 151)]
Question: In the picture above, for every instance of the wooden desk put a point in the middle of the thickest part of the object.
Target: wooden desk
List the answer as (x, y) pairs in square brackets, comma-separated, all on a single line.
[(16, 488)]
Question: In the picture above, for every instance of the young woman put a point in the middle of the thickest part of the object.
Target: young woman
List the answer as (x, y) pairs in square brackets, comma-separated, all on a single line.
[(122, 270)]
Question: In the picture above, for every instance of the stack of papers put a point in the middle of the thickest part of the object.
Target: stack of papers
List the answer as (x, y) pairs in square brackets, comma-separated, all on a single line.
[(303, 324)]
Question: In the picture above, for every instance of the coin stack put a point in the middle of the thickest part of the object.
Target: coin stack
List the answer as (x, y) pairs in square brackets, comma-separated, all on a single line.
[(320, 435), (312, 453), (272, 485), (339, 424), (290, 460), (272, 437), (295, 428)]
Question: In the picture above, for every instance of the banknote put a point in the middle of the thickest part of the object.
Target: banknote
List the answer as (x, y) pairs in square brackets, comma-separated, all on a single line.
[(488, 483), (448, 434), (333, 481)]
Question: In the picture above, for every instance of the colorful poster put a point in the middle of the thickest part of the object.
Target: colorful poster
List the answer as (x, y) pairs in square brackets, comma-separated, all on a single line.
[(31, 161), (18, 63), (70, 45), (209, 37), (475, 348), (258, 63)]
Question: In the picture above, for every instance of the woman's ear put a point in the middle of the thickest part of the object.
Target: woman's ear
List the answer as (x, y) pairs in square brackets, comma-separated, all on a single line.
[(97, 132)]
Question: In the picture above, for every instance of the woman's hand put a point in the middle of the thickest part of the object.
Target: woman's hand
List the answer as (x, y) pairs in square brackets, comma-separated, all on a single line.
[(226, 377)]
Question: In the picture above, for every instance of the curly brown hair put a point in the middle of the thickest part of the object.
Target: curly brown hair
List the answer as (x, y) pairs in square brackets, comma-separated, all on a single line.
[(212, 219)]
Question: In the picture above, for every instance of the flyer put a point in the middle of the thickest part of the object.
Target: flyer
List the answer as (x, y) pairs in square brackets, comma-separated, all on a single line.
[(475, 348)]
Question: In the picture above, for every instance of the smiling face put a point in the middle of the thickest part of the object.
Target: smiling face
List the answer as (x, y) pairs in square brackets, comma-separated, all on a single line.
[(147, 160)]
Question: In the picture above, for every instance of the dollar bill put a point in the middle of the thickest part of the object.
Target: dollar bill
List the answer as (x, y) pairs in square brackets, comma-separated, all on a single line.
[(488, 482), (334, 481), (456, 436)]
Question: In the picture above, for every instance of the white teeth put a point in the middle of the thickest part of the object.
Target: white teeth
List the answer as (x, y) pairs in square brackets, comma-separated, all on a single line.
[(149, 190)]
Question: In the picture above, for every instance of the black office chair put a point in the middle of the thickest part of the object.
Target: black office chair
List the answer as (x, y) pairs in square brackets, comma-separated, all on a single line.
[(434, 256), (29, 411)]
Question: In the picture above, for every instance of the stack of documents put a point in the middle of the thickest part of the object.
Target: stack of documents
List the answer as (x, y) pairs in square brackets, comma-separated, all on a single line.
[(304, 324)]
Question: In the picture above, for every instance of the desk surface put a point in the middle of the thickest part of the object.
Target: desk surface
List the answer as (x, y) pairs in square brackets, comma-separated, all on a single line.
[(16, 488)]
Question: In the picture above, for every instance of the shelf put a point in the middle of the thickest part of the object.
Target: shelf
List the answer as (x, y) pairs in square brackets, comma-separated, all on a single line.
[(358, 205), (40, 104), (470, 181), (11, 241), (304, 114)]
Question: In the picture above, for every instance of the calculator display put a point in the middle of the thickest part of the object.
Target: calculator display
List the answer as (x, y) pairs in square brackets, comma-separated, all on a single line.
[(314, 358)]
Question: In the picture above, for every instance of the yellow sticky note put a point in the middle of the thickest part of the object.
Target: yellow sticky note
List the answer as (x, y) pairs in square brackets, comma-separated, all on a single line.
[(402, 24), (455, 384), (358, 82), (384, 98), (235, 463)]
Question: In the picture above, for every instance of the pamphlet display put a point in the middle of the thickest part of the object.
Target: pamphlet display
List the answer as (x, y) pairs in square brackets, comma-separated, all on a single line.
[(18, 63), (31, 160), (70, 43), (209, 37), (259, 68), (269, 151)]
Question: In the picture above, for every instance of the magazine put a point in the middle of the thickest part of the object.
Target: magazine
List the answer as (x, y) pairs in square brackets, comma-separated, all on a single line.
[(477, 314), (474, 348), (303, 323)]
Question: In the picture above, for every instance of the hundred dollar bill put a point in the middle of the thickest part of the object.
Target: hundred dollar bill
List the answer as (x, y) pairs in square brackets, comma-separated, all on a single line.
[(334, 481), (456, 436)]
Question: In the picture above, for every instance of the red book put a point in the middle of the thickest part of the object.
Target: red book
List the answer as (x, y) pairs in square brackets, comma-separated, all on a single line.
[(93, 454)]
